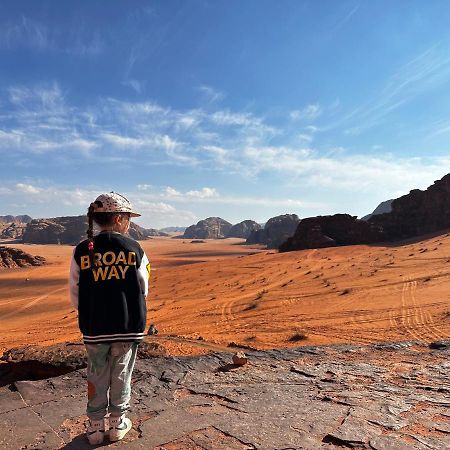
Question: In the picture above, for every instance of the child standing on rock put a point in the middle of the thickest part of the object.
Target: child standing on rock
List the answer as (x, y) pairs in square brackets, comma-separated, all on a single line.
[(108, 285)]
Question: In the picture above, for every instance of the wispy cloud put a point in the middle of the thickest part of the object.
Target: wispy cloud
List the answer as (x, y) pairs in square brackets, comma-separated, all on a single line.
[(210, 94), (418, 76), (308, 113)]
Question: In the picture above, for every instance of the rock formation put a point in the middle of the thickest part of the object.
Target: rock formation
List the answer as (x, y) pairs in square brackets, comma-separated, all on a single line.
[(379, 397), (139, 233), (71, 230), (243, 229), (331, 231), (413, 214), (14, 230), (210, 228), (383, 207), (58, 230), (276, 231), (11, 258), (418, 212)]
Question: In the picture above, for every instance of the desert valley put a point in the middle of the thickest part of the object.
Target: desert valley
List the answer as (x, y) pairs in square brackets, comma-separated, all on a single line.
[(218, 292)]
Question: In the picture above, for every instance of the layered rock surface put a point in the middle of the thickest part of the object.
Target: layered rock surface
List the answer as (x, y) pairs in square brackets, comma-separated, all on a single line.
[(276, 231), (12, 258), (16, 219), (382, 397)]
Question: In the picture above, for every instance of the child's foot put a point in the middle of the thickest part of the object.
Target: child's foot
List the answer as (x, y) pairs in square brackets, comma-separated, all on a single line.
[(118, 427), (96, 431)]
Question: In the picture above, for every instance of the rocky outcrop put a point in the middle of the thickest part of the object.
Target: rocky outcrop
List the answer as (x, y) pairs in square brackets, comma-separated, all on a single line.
[(418, 212), (16, 219), (243, 229), (12, 258), (14, 230), (58, 230), (71, 230), (276, 231), (331, 231), (210, 228), (380, 397)]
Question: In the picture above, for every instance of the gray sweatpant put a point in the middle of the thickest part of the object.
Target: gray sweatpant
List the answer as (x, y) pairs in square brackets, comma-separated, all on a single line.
[(109, 378)]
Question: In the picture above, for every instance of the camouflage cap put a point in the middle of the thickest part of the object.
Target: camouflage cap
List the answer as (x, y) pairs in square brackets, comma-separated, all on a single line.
[(114, 202)]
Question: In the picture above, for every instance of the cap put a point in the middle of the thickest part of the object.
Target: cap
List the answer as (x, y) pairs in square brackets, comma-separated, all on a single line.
[(114, 202)]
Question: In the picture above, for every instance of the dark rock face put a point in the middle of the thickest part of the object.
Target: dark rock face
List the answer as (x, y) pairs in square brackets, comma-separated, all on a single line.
[(243, 229), (418, 212), (58, 230), (210, 228), (276, 231), (372, 397), (383, 207), (331, 231), (12, 258), (414, 214)]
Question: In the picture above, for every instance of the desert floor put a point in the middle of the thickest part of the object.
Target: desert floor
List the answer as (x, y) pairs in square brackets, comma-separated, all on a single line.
[(207, 296)]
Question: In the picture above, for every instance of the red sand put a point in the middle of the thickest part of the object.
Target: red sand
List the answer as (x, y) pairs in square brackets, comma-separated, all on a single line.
[(212, 294)]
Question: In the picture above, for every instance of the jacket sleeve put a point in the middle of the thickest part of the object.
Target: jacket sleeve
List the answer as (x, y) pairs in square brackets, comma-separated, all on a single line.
[(144, 274), (74, 277)]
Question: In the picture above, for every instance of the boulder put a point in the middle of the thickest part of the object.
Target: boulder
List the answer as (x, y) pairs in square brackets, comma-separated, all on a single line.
[(11, 258), (243, 229), (210, 228)]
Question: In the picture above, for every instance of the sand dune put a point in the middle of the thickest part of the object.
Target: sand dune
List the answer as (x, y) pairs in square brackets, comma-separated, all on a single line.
[(205, 296)]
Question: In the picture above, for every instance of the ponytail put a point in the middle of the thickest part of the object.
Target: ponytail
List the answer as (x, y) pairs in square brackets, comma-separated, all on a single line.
[(90, 233)]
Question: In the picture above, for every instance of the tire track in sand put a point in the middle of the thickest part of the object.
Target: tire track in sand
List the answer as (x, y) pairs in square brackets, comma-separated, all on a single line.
[(31, 303)]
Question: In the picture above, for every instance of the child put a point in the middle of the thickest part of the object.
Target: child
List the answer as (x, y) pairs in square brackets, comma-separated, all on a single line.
[(109, 284)]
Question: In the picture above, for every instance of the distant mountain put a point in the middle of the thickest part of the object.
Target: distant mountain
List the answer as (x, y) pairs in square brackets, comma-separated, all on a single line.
[(275, 232), (210, 228), (16, 219), (71, 230), (383, 207), (243, 229), (173, 229), (139, 233)]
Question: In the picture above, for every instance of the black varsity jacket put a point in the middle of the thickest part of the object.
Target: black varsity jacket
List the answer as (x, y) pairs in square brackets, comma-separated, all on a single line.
[(111, 296)]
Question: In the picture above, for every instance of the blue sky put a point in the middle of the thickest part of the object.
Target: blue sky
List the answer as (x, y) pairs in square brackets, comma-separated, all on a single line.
[(239, 109)]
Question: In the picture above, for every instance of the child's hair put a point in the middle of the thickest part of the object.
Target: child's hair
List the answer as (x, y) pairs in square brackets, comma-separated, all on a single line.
[(102, 219)]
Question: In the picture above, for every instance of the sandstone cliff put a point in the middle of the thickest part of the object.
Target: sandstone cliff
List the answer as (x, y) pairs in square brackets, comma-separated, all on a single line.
[(331, 231), (243, 229), (275, 232), (210, 228), (71, 230)]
